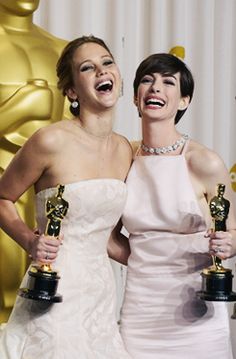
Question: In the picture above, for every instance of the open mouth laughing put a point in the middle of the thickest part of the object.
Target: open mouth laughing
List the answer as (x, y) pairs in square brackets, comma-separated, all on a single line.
[(154, 101), (104, 86)]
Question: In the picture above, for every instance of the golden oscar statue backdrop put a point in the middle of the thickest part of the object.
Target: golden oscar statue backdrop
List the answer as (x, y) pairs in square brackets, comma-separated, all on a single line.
[(29, 99)]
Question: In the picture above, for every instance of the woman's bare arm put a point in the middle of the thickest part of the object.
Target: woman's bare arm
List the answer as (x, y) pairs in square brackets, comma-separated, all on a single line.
[(118, 245), (25, 169)]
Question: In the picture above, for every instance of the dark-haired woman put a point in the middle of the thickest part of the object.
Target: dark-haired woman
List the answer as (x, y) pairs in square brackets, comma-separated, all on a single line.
[(167, 215), (92, 161)]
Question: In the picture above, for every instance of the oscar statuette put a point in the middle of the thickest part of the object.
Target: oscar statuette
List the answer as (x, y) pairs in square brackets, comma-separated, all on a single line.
[(43, 280), (217, 280)]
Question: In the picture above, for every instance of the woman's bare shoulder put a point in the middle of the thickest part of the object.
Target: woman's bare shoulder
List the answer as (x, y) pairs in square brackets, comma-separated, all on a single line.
[(202, 159), (50, 138), (132, 145), (123, 143)]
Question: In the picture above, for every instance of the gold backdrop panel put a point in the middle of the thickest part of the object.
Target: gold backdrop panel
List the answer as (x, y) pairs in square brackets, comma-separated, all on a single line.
[(29, 100)]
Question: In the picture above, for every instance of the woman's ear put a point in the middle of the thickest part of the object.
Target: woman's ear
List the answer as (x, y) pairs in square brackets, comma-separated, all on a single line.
[(135, 100), (184, 102), (71, 94)]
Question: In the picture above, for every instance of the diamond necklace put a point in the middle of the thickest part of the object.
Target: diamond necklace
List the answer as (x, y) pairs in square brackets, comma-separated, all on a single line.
[(165, 149)]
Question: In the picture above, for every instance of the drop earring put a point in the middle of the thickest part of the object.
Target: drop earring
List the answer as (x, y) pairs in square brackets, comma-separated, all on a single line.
[(74, 107), (75, 104)]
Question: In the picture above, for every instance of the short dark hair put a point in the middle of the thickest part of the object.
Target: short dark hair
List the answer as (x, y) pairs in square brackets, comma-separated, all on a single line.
[(166, 64), (64, 65)]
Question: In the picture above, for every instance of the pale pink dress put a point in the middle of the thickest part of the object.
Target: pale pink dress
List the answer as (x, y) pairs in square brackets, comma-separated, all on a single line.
[(84, 325), (161, 316)]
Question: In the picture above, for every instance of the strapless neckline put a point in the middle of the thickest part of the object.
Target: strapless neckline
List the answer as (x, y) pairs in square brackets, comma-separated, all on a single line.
[(81, 182), (86, 281)]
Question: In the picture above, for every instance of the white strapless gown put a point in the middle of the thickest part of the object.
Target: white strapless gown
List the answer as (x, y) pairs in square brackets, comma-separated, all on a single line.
[(84, 325)]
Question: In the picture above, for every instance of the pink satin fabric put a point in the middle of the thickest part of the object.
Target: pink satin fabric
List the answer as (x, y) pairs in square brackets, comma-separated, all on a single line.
[(161, 316)]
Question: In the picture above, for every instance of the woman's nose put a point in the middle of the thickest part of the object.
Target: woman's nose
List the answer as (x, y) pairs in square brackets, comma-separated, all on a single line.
[(101, 71), (155, 87)]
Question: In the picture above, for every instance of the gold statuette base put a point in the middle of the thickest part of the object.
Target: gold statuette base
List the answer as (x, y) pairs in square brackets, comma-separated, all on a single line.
[(42, 285), (217, 285)]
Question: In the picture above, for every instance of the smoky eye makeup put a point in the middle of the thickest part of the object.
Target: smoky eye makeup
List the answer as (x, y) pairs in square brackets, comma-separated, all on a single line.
[(146, 79), (86, 67)]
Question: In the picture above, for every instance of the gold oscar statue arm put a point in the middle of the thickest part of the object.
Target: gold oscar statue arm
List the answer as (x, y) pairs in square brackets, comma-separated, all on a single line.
[(26, 105)]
